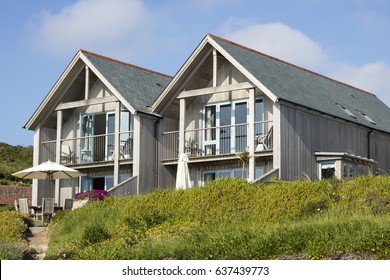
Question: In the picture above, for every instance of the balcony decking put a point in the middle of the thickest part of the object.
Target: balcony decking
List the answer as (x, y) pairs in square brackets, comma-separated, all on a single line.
[(89, 151), (217, 143)]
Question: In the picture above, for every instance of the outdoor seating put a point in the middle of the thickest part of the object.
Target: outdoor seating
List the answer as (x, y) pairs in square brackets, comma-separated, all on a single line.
[(23, 207), (68, 203), (47, 209), (262, 141), (66, 155), (16, 206)]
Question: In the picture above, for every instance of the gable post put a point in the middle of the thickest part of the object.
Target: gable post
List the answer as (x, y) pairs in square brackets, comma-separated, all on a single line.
[(251, 135), (117, 151), (36, 159), (277, 138), (60, 117), (215, 67), (86, 82), (182, 125), (136, 149)]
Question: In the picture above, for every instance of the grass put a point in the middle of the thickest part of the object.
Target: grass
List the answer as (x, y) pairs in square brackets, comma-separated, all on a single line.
[(13, 159), (232, 219)]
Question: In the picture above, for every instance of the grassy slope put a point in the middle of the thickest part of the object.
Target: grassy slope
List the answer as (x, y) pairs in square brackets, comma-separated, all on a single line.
[(231, 219), (13, 159)]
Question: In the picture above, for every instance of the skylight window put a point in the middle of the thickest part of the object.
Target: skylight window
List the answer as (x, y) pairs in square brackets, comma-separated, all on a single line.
[(368, 118), (348, 112)]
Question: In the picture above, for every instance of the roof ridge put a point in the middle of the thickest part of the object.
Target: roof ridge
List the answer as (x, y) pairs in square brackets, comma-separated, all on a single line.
[(125, 63), (288, 63)]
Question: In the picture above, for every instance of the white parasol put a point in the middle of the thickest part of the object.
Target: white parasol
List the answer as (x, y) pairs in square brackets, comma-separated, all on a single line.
[(48, 171)]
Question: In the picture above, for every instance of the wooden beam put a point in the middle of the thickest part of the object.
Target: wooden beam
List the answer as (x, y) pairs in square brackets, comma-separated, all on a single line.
[(83, 103), (86, 82), (213, 90), (182, 125), (251, 134), (215, 67)]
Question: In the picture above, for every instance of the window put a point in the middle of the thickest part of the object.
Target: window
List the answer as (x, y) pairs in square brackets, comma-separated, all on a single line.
[(98, 132), (209, 175), (348, 112), (226, 126), (349, 170), (327, 170), (368, 118)]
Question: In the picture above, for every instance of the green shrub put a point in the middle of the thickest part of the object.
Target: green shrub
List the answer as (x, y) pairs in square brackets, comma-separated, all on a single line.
[(12, 230), (12, 249), (231, 219)]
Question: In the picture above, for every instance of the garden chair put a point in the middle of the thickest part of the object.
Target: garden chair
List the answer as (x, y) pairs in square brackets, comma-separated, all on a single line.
[(16, 206), (47, 209), (23, 207)]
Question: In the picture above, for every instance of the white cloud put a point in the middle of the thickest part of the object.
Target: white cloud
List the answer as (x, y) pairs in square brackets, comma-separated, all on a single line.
[(373, 77), (284, 42), (281, 41), (89, 23)]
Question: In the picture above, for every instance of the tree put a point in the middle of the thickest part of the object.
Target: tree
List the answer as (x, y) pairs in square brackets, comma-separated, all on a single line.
[(244, 158)]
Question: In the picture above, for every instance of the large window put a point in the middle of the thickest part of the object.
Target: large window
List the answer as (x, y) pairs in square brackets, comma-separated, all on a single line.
[(209, 175), (97, 135), (226, 126)]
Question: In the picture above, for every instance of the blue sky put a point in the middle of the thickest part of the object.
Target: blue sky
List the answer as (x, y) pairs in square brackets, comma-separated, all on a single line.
[(348, 40)]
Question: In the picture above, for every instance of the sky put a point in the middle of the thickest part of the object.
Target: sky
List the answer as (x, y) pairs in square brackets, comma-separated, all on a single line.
[(347, 40)]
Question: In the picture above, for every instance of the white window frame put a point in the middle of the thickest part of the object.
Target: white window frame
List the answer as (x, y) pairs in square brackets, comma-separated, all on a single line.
[(218, 105), (329, 164)]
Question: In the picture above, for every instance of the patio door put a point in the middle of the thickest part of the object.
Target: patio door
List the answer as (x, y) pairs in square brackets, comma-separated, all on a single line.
[(87, 130), (226, 127)]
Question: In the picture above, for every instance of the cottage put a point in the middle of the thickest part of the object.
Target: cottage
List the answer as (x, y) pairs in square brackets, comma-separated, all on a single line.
[(294, 123), (125, 127), (97, 119)]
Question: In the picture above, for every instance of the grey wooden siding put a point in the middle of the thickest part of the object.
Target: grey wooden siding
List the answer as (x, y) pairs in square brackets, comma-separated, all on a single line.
[(304, 132), (380, 151), (147, 159), (166, 174)]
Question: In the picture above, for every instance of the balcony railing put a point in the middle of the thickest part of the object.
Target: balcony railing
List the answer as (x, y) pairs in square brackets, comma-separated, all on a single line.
[(89, 149), (222, 140)]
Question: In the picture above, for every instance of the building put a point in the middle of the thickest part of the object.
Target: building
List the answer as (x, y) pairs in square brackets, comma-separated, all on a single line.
[(125, 126), (293, 122), (97, 119)]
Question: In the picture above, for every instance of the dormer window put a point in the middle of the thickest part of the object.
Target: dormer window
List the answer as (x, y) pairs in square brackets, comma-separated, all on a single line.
[(368, 118), (348, 112)]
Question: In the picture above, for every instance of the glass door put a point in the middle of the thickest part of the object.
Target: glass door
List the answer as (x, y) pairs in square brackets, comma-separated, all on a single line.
[(87, 143), (225, 122), (231, 132), (110, 135), (210, 141), (241, 129)]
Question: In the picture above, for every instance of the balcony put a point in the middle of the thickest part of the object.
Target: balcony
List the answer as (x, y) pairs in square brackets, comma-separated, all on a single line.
[(217, 141), (91, 149)]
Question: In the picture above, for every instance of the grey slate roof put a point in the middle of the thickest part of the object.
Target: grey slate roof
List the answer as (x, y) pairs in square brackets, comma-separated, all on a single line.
[(139, 86), (299, 86)]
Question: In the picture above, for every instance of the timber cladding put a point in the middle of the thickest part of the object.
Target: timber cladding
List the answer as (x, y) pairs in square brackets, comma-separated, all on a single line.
[(8, 194)]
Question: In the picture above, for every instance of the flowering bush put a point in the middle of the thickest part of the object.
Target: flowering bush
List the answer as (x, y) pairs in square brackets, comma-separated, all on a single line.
[(92, 195)]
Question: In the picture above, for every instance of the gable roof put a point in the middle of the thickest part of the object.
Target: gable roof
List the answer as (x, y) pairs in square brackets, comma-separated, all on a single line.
[(309, 89), (134, 86), (137, 85), (283, 81)]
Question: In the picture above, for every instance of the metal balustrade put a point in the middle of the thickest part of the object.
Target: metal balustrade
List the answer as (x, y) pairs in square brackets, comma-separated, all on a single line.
[(89, 149), (222, 140)]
